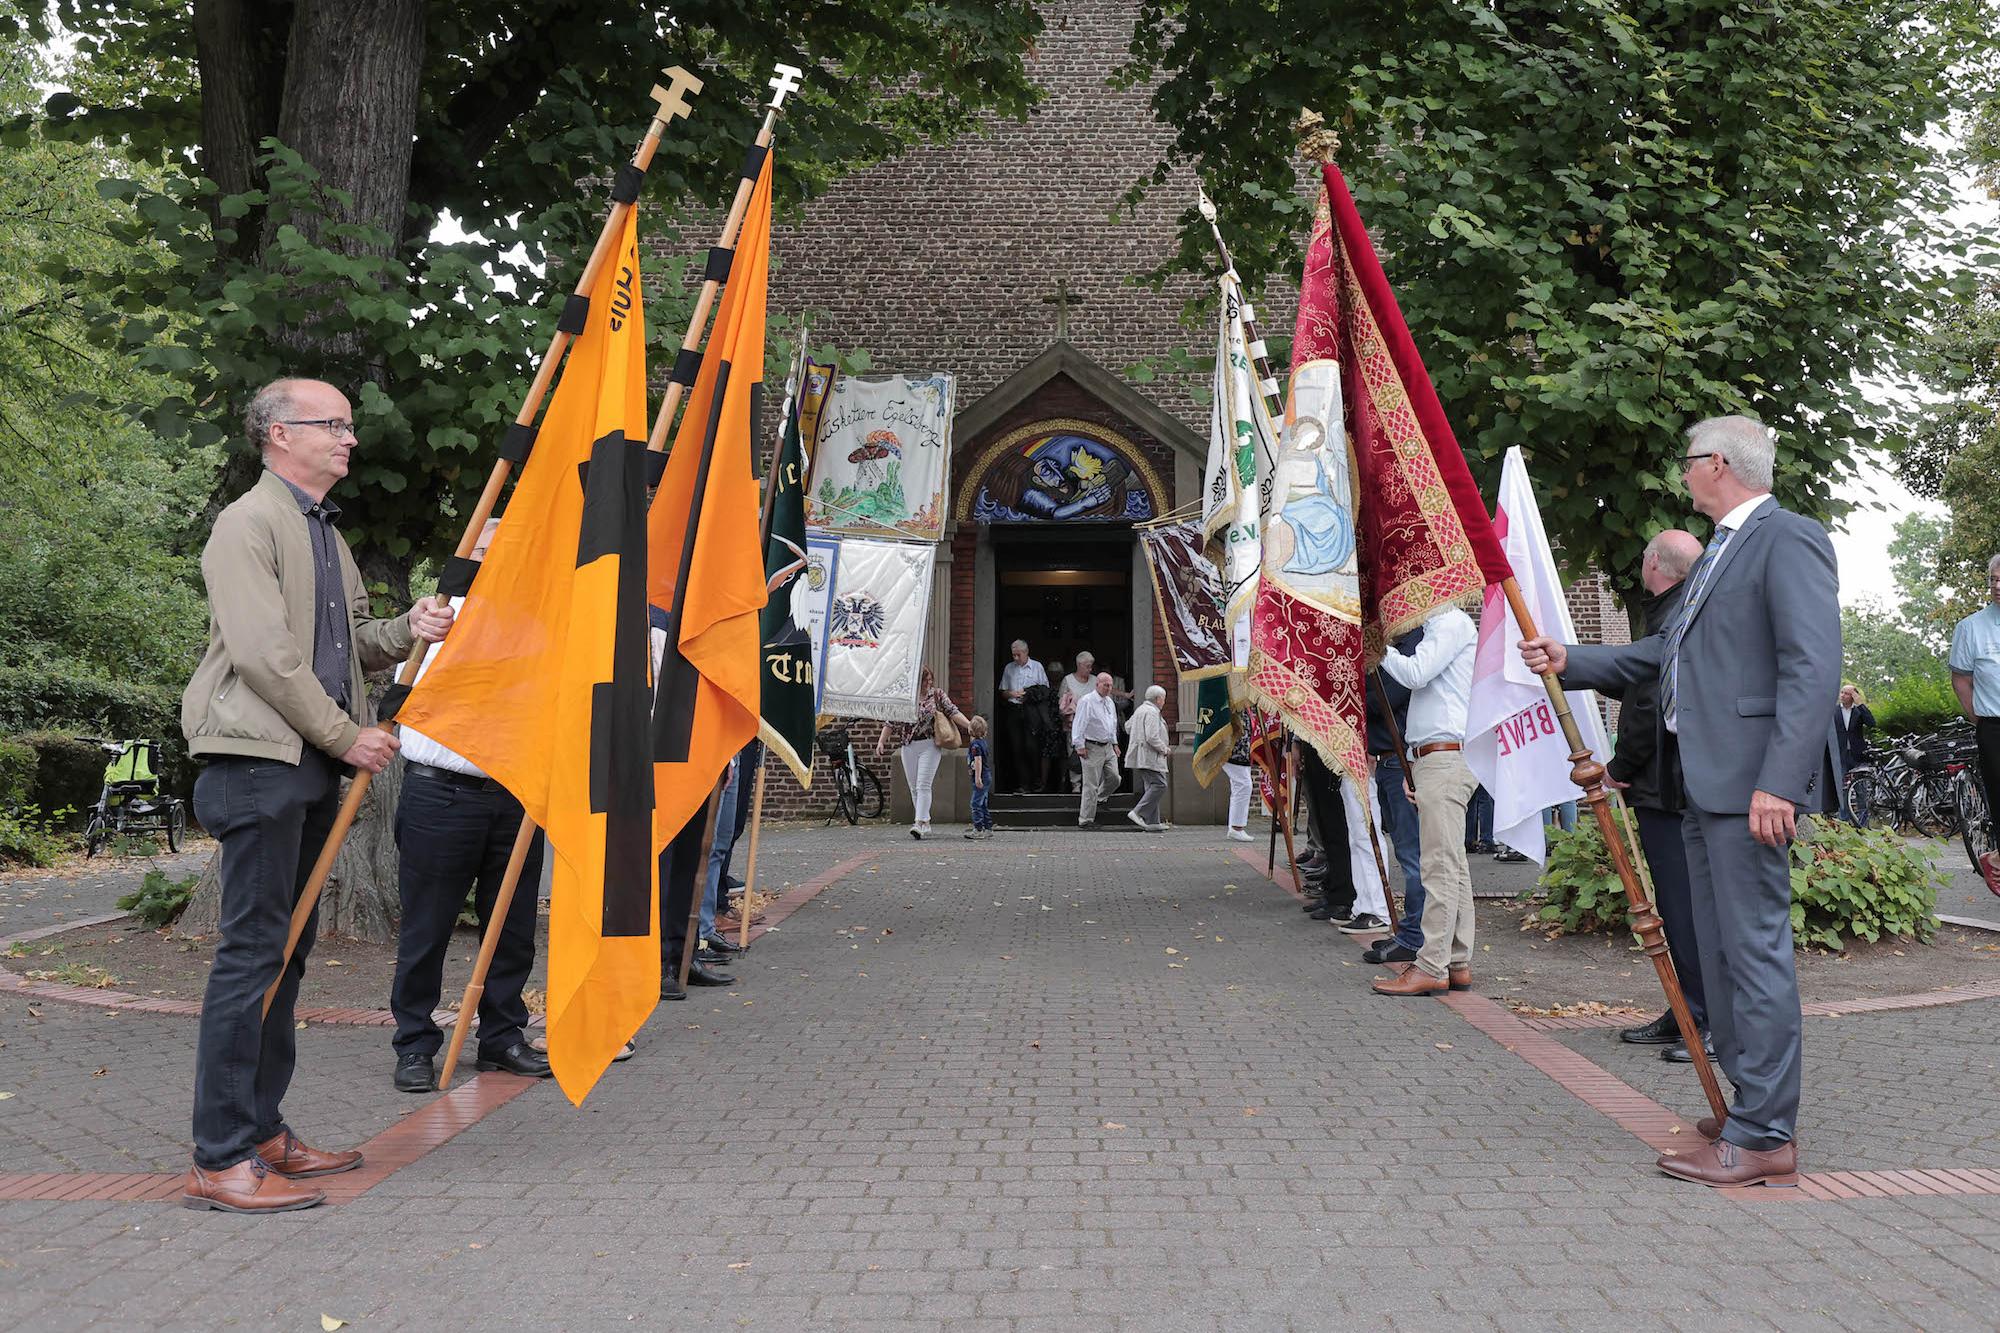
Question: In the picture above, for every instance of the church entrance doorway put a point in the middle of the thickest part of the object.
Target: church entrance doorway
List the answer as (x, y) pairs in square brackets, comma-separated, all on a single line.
[(1064, 590)]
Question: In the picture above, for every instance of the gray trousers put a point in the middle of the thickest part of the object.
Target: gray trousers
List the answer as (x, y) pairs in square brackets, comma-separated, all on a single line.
[(1152, 793), (1742, 897), (1100, 777)]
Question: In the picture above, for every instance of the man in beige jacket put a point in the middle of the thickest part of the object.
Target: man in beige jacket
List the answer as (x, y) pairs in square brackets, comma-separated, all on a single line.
[(277, 711)]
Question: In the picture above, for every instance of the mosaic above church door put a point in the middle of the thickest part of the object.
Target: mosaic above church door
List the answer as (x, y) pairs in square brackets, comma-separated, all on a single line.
[(1061, 471)]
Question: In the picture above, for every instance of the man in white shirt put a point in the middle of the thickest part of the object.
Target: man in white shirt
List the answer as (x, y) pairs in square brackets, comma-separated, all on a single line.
[(455, 829), (1975, 676), (1016, 679), (1439, 676), (1093, 734)]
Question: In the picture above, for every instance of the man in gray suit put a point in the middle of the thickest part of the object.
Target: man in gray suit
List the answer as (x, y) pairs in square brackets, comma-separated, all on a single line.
[(1749, 678)]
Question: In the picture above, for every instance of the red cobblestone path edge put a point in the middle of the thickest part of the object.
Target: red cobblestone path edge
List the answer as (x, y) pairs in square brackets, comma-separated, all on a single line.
[(388, 1152), (1664, 1131)]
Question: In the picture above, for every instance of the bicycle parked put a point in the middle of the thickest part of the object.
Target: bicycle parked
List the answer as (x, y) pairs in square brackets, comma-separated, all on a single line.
[(857, 793), (130, 804), (1925, 784)]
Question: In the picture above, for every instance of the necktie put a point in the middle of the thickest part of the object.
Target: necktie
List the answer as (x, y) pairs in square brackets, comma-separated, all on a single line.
[(1697, 584)]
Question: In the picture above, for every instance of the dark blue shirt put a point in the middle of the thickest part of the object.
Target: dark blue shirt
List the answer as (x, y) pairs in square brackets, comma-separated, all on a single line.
[(330, 627), (975, 751)]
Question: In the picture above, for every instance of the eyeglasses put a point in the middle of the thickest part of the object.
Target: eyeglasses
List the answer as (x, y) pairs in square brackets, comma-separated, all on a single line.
[(1686, 459), (334, 426)]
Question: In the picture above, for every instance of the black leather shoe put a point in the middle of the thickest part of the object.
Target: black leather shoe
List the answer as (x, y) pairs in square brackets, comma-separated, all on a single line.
[(699, 974), (520, 1058), (716, 944), (415, 1073), (1340, 916), (1678, 1052), (1388, 951), (671, 989), (1312, 904), (1656, 1033), (710, 957)]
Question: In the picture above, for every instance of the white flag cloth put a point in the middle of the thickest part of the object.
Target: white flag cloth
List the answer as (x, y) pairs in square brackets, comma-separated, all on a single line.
[(1240, 450), (1513, 743), (874, 634)]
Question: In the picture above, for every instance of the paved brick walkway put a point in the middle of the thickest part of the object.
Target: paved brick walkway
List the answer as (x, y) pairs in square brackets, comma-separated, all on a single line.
[(1054, 1081)]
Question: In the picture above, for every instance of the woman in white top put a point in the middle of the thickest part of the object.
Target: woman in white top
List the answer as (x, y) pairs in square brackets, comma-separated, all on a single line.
[(1078, 683), (920, 751), (1146, 750)]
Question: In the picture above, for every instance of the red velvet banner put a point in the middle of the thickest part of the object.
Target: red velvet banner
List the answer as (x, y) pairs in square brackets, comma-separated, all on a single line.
[(1423, 538)]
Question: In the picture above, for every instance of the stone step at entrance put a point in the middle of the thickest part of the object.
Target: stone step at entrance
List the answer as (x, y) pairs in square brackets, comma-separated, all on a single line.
[(1055, 809)]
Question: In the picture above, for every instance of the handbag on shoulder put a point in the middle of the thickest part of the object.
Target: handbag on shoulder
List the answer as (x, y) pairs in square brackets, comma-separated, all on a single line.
[(945, 732)]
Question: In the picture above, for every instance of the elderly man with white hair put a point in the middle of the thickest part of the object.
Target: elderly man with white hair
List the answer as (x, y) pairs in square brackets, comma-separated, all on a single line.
[(1748, 669), (1021, 764), (1093, 734), (1146, 748)]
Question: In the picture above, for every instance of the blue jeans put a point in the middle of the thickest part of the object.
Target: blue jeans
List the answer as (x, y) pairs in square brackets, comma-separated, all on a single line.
[(1478, 818), (718, 851), (1399, 819), (982, 818), (1562, 816)]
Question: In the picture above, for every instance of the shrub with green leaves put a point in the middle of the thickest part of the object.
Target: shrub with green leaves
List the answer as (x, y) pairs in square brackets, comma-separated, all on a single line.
[(159, 901), (1847, 883)]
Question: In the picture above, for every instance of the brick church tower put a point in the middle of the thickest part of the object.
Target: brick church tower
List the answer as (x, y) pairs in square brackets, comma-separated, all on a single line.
[(1004, 258)]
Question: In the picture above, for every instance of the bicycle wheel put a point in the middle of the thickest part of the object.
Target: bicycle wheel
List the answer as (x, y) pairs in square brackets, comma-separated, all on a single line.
[(97, 834), (871, 800), (845, 797), (1975, 823), (1860, 797), (177, 824)]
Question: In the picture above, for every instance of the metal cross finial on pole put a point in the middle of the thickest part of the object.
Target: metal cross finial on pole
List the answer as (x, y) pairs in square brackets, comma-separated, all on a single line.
[(673, 98), (783, 84)]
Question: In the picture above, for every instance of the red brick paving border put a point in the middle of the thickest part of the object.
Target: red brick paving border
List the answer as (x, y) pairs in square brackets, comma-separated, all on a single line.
[(388, 1152), (776, 910), (1661, 1129), (382, 1156)]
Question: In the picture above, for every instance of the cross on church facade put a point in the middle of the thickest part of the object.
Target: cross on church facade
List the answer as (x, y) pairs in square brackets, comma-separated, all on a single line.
[(1062, 300)]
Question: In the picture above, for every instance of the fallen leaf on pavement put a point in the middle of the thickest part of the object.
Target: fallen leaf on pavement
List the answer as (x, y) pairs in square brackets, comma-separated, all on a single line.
[(1113, 1124), (99, 1073), (1442, 1045), (1173, 950), (329, 1323)]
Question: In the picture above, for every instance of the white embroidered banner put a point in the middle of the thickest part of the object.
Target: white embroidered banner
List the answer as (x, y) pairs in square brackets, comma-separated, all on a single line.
[(874, 634), (883, 457)]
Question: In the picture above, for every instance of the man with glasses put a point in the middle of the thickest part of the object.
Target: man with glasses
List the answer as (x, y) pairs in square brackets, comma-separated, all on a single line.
[(1748, 671), (1975, 676), (277, 711)]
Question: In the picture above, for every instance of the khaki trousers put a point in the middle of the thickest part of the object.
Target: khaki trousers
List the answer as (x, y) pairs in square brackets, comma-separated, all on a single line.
[(1100, 776), (1444, 788)]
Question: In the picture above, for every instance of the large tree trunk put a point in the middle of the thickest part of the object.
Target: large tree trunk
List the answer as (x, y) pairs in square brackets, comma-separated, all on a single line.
[(352, 72), (360, 901)]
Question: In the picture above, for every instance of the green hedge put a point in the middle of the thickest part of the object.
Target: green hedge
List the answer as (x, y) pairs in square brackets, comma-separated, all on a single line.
[(1847, 884), (1921, 700)]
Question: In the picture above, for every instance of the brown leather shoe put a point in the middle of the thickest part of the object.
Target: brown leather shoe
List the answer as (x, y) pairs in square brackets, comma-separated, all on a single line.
[(289, 1157), (1412, 981), (1460, 976), (247, 1187), (1723, 1164), (1709, 1128)]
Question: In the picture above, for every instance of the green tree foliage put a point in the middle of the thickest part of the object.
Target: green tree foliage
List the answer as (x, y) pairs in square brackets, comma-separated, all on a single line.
[(1954, 455), (286, 232), (100, 613), (1605, 220)]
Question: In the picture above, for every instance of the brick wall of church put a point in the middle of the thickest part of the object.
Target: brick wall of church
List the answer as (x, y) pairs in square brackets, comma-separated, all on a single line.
[(944, 259)]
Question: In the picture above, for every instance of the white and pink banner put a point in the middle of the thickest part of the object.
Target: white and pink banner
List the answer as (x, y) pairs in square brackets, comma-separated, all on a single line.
[(1512, 741)]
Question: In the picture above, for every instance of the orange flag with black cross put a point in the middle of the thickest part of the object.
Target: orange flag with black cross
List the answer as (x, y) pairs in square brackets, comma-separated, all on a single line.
[(707, 558), (543, 681)]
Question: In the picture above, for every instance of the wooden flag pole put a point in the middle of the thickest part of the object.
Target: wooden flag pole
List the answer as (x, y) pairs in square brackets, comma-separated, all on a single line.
[(673, 104), (1291, 796), (1588, 774), (750, 870)]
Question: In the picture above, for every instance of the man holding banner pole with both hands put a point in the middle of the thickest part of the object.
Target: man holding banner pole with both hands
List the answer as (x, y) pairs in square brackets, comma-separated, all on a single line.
[(1749, 677)]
